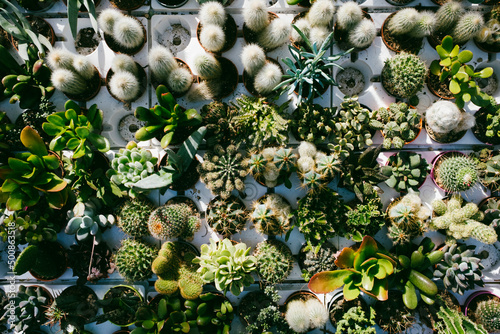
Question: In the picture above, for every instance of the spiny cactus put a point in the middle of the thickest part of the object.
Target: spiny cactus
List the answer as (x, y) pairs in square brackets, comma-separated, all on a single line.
[(207, 66), (253, 58), (68, 82), (108, 18), (212, 12), (212, 37), (404, 75), (348, 15), (318, 34), (305, 315), (448, 14), (255, 15), (467, 27), (173, 221), (133, 260), (425, 25), (223, 170), (460, 270), (312, 122), (268, 77), (274, 261), (128, 32), (363, 34), (272, 215), (161, 62), (444, 117), (404, 21), (321, 13), (124, 63), (408, 219), (275, 34), (456, 173), (84, 67), (316, 169), (60, 58), (217, 116), (133, 214), (312, 263), (180, 80), (488, 314), (125, 86), (228, 216)]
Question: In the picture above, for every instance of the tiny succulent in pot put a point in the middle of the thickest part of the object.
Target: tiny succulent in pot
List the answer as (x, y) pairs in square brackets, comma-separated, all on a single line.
[(490, 33), (404, 75), (356, 319), (444, 118), (406, 170), (274, 261), (491, 211), (134, 259), (272, 215), (449, 318), (229, 266), (125, 31), (227, 216), (173, 221), (312, 263), (90, 262), (364, 218), (217, 118), (487, 128), (86, 221), (312, 122), (460, 269), (273, 166), (408, 218)]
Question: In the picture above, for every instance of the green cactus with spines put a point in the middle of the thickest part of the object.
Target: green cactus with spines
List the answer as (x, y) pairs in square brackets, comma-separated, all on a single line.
[(404, 21), (273, 166), (425, 25), (484, 233), (190, 285), (223, 170), (323, 260), (328, 166), (460, 269), (272, 215), (173, 221), (408, 218), (217, 118), (489, 33), (448, 14), (274, 261), (134, 259), (166, 287), (313, 122), (133, 214), (404, 75), (455, 322), (467, 27), (285, 159), (487, 313), (457, 173), (226, 217)]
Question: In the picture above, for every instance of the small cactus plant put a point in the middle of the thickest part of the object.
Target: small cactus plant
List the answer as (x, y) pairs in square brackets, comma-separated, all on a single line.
[(228, 216), (133, 214), (134, 259), (207, 66), (180, 80), (448, 14), (408, 218), (272, 166), (212, 12), (275, 34), (468, 26), (348, 15), (404, 21), (305, 315), (321, 13), (128, 32), (253, 58), (312, 263), (255, 15), (316, 169), (68, 82), (445, 118), (425, 25), (268, 77), (404, 75), (124, 63), (456, 173), (274, 261), (487, 313), (173, 221), (363, 34), (124, 86), (108, 18), (272, 215), (212, 37), (161, 62), (312, 122)]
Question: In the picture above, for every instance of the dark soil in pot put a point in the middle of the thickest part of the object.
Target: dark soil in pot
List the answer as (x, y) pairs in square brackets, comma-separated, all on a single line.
[(36, 5), (143, 82), (80, 301), (80, 257), (250, 306), (479, 130), (230, 30), (51, 261), (122, 317), (399, 2), (438, 88), (172, 3), (400, 42), (93, 87), (39, 26), (350, 81), (87, 41), (127, 4)]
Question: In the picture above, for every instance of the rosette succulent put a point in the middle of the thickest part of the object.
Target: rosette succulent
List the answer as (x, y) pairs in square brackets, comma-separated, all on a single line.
[(86, 222)]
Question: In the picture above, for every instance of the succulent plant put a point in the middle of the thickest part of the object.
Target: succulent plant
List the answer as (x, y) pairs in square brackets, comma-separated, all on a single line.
[(490, 33), (217, 118), (130, 165), (223, 170), (399, 124), (487, 313), (312, 122), (46, 260), (315, 168), (86, 221), (228, 265), (408, 218), (173, 221), (255, 15), (404, 75), (272, 215), (90, 262), (320, 216), (125, 30), (355, 319), (444, 117), (134, 259), (348, 15), (364, 218), (274, 261), (304, 315), (26, 309), (454, 322), (260, 123), (491, 211), (227, 216), (406, 170), (460, 269), (313, 263), (352, 130), (275, 34), (273, 166), (461, 221), (456, 173)]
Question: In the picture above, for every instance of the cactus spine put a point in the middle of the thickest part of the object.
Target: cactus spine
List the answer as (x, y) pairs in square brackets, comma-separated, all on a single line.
[(207, 66), (68, 82), (128, 32), (488, 314), (425, 25), (255, 15), (124, 63), (212, 37), (404, 21), (467, 27), (448, 14), (321, 13), (457, 173), (161, 62), (275, 34), (84, 67), (180, 80), (108, 18), (253, 58), (363, 34), (348, 15), (267, 78), (124, 85), (212, 12)]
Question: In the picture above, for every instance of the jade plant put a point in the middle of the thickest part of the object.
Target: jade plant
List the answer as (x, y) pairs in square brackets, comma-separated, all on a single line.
[(272, 215), (315, 168), (456, 172), (312, 123), (228, 216), (399, 124), (273, 166), (29, 173), (406, 170), (229, 266), (274, 261), (461, 220), (364, 218), (453, 67), (134, 259), (173, 221), (165, 119), (320, 216), (367, 269), (130, 165), (76, 130), (460, 269), (132, 216), (352, 128)]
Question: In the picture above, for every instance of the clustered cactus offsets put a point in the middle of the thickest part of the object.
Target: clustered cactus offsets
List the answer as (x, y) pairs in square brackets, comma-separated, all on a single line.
[(217, 118), (272, 215), (357, 30), (173, 221), (227, 216), (124, 32), (273, 166), (306, 314), (487, 313), (312, 122), (312, 263), (315, 168)]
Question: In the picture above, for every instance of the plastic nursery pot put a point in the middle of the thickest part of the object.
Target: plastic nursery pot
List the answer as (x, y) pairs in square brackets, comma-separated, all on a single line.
[(438, 88), (479, 130), (338, 306), (143, 82), (127, 5), (230, 32), (155, 82), (115, 292), (39, 26), (399, 43), (341, 36), (474, 299), (58, 257), (87, 307), (113, 45), (248, 80), (93, 88), (436, 162), (188, 179), (172, 3), (444, 138), (251, 37), (229, 79)]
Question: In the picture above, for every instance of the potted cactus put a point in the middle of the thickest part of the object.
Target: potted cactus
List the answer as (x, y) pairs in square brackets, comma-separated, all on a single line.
[(226, 217), (132, 216), (274, 261), (120, 304), (315, 23), (273, 166), (403, 75), (169, 71), (406, 170), (90, 262), (313, 123), (174, 220), (304, 312), (315, 168), (446, 123), (134, 259), (126, 80), (261, 74), (272, 215), (354, 28), (483, 307), (217, 117), (311, 263), (216, 30), (454, 172), (488, 39), (392, 315), (36, 5), (122, 33), (487, 127)]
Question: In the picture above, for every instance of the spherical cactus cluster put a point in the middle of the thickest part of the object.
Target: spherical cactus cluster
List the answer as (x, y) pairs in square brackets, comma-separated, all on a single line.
[(223, 170), (173, 221), (404, 75), (175, 271), (166, 70), (227, 216), (134, 259), (272, 165), (304, 315), (315, 168), (272, 215), (133, 214), (265, 74), (125, 30), (459, 269), (456, 173), (488, 314), (360, 31), (275, 34), (125, 82), (212, 20)]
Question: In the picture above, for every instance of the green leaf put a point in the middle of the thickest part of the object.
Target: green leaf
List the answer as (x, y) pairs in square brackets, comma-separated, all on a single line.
[(350, 291), (454, 87), (465, 56), (82, 132), (486, 72), (447, 45), (435, 68), (166, 139), (33, 142), (327, 281)]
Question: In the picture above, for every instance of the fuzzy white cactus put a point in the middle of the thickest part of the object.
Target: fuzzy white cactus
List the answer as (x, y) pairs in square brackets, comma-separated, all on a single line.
[(68, 82), (212, 37), (467, 27), (404, 21), (307, 149), (212, 12), (108, 18), (448, 14), (425, 25), (200, 92), (348, 15), (363, 34), (255, 15), (318, 314), (267, 78), (304, 26), (128, 32), (161, 62), (318, 35), (275, 34), (60, 58), (207, 66), (84, 67), (125, 86), (321, 13), (444, 117), (180, 80), (124, 63), (297, 317), (253, 58)]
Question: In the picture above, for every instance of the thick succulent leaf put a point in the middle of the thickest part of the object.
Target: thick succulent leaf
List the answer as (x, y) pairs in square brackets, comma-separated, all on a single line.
[(33, 142), (327, 281)]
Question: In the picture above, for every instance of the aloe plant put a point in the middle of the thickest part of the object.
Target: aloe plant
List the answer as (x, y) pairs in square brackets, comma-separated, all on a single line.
[(453, 66), (29, 173), (366, 269), (165, 118)]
